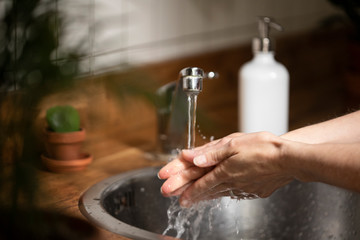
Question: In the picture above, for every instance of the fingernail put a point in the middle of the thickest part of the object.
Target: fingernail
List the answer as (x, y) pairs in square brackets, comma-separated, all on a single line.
[(186, 151), (200, 160), (162, 192)]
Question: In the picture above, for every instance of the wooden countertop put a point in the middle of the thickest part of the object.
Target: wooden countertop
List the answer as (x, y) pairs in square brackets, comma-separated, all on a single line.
[(111, 157)]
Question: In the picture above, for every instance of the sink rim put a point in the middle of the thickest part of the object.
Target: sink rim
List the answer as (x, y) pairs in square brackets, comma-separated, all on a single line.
[(90, 207)]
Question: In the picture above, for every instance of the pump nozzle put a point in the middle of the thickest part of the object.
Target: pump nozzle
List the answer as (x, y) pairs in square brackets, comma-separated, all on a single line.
[(263, 43)]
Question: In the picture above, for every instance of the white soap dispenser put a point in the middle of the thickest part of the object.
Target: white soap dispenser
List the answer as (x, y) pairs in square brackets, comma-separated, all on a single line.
[(264, 87)]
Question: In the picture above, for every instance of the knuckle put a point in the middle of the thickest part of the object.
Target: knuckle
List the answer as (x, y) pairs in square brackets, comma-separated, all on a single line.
[(221, 173), (233, 144), (224, 140), (233, 135), (216, 157)]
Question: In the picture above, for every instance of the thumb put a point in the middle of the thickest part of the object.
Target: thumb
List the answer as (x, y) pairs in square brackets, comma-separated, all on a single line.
[(212, 157)]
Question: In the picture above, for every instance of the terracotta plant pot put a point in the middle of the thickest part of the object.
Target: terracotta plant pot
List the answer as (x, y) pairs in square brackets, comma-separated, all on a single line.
[(61, 166), (64, 146)]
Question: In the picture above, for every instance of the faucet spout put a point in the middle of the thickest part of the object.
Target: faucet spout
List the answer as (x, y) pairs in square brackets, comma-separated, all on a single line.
[(173, 117), (192, 80)]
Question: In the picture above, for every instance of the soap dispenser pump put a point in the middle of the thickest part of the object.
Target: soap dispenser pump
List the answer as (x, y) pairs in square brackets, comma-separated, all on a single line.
[(264, 86)]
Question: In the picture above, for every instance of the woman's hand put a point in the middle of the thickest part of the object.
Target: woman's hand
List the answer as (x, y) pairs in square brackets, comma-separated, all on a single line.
[(256, 164), (181, 171), (239, 165)]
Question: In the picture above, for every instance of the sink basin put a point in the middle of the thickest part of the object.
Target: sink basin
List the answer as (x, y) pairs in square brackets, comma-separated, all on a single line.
[(130, 204)]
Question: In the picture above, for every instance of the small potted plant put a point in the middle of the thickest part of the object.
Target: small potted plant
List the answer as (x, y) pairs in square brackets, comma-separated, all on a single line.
[(63, 140)]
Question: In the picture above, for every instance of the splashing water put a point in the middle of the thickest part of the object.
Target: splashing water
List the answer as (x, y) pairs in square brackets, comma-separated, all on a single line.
[(186, 221), (210, 139)]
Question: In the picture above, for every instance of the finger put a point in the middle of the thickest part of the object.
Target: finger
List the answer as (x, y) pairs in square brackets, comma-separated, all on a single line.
[(174, 167), (177, 181), (225, 193), (213, 156), (190, 154), (201, 187), (219, 142), (217, 192), (179, 191)]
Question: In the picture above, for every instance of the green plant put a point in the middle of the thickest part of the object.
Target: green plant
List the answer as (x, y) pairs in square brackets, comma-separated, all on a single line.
[(63, 119), (32, 66), (29, 37)]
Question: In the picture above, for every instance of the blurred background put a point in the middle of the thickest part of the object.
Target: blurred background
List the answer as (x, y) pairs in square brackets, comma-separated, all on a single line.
[(109, 32), (159, 38), (107, 58), (139, 32)]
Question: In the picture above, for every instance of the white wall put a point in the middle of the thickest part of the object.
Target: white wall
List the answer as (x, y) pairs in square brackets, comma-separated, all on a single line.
[(112, 32)]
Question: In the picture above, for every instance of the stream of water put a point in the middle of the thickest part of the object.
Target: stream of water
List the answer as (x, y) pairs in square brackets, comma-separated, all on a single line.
[(185, 222), (192, 103)]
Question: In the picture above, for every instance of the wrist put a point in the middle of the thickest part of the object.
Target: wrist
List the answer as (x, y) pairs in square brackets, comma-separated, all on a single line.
[(294, 162)]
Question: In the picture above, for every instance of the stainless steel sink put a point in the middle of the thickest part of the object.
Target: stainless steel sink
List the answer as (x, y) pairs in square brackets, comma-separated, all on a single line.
[(131, 205)]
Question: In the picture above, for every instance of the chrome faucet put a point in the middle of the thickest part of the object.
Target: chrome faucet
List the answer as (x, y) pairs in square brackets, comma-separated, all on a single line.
[(172, 110)]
